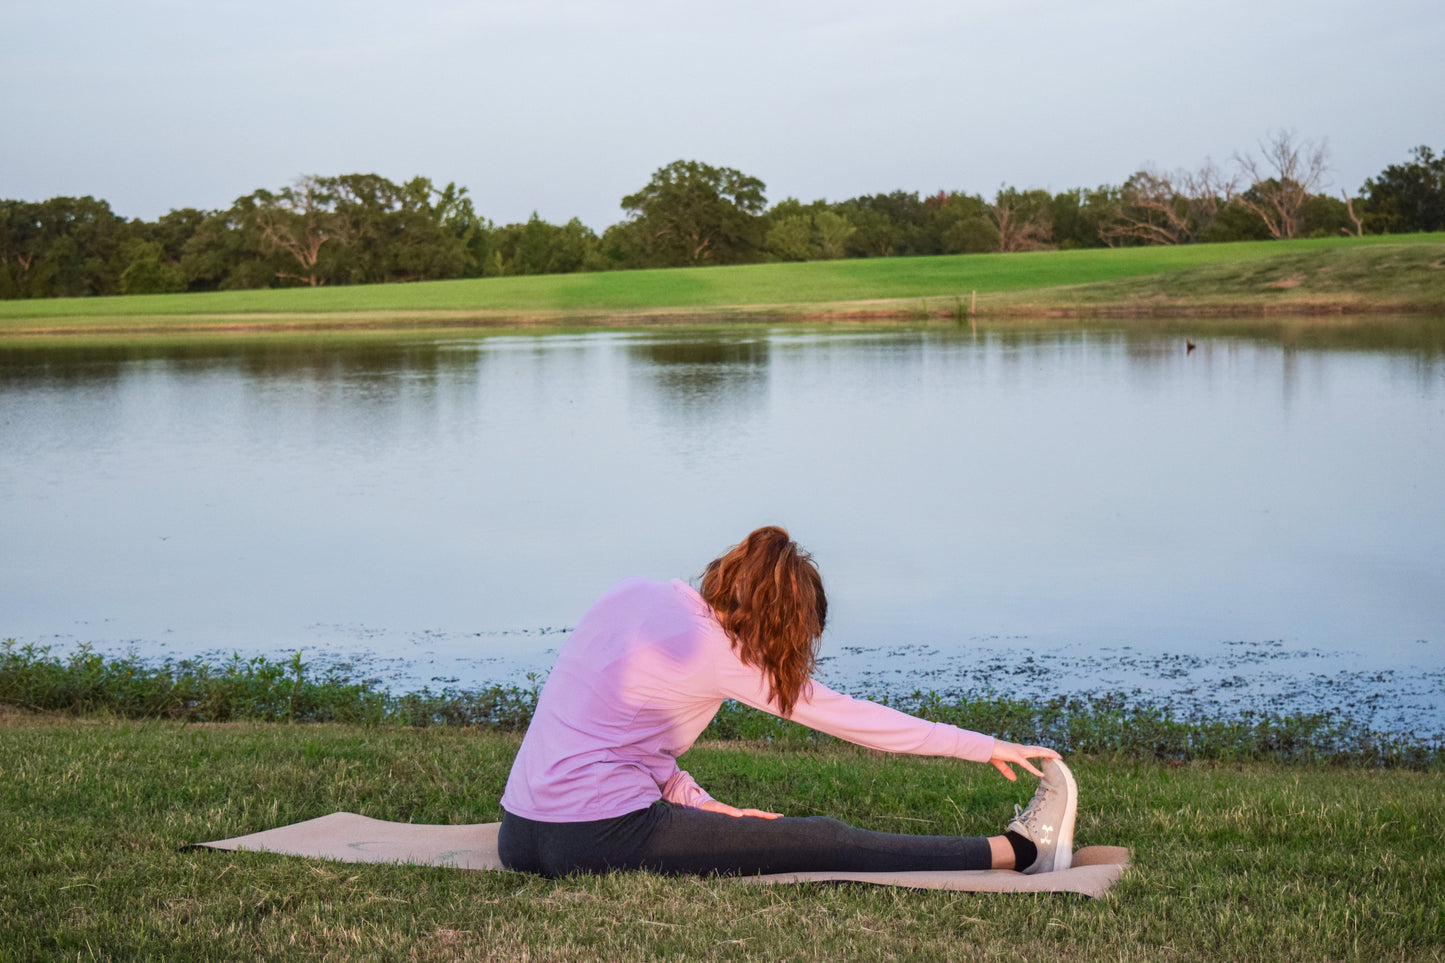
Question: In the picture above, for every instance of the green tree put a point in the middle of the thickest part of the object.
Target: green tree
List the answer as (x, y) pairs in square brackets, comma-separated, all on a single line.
[(833, 231), (363, 222), (20, 246), (693, 213), (293, 226), (1071, 230), (454, 221), (959, 224), (152, 256), (791, 237), (538, 247), (1407, 197), (61, 247), (798, 232), (400, 232), (1236, 222), (354, 229), (172, 231), (887, 225), (150, 272), (481, 244), (223, 253), (1324, 216), (1086, 215), (910, 214)]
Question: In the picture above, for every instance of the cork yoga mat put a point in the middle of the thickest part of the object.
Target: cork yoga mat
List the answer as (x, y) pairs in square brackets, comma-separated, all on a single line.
[(350, 838)]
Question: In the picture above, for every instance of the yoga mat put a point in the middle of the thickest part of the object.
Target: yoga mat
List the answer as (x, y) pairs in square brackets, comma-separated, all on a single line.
[(359, 839)]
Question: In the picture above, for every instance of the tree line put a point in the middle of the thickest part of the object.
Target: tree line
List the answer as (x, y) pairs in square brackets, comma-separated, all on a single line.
[(365, 229)]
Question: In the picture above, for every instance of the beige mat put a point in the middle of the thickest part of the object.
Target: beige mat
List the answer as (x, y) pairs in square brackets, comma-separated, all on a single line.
[(359, 839)]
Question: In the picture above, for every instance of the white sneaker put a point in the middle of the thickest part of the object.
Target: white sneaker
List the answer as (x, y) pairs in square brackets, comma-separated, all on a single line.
[(1048, 822)]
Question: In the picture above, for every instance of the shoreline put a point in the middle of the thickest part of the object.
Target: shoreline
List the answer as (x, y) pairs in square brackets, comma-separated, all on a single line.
[(1341, 727), (1015, 312)]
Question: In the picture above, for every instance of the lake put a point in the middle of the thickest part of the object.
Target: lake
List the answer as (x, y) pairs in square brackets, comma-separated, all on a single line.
[(1253, 524)]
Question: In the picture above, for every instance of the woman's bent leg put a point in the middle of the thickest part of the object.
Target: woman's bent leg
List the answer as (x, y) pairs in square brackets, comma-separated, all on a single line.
[(693, 842), (556, 849)]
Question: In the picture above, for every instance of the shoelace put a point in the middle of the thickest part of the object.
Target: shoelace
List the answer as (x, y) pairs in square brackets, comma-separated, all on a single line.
[(1042, 833), (1030, 815)]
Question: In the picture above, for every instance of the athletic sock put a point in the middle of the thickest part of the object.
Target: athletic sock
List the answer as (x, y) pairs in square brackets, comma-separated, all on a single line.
[(1025, 852)]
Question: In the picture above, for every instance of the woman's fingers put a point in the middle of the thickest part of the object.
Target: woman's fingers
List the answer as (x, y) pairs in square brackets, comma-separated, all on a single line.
[(1030, 767), (713, 806), (1006, 753)]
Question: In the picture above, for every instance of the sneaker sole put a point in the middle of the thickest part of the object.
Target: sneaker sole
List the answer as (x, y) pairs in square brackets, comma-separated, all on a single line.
[(1064, 852)]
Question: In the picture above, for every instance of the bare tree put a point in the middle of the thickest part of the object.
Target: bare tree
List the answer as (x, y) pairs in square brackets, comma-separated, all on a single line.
[(1169, 208), (1286, 174), (1022, 219), (1350, 209), (1150, 209)]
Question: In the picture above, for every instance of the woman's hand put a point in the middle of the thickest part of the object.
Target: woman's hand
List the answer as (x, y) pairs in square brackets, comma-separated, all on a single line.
[(713, 806), (1007, 753)]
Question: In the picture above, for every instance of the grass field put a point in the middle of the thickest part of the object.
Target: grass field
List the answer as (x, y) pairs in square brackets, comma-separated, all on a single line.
[(1239, 862), (1397, 273)]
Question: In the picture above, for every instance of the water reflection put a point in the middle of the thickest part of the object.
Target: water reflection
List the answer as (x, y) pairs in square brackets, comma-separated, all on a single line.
[(448, 504), (702, 378)]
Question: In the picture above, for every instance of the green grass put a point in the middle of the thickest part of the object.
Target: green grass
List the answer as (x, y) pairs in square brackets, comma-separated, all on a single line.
[(1239, 862), (758, 287), (1342, 278)]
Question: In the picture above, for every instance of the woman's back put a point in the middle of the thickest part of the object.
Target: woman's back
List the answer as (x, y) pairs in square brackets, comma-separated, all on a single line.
[(637, 681)]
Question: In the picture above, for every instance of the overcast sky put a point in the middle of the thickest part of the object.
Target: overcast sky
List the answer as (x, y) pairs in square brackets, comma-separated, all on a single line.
[(562, 107)]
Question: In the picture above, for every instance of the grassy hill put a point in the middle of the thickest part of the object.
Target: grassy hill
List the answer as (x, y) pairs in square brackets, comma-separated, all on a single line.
[(1333, 275)]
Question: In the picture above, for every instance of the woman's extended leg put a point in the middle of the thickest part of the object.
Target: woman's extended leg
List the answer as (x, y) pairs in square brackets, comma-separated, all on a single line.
[(676, 841), (693, 842), (673, 840), (1039, 839)]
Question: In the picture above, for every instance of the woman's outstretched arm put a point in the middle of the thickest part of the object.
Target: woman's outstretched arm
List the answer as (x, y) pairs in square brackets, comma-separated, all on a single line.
[(881, 727)]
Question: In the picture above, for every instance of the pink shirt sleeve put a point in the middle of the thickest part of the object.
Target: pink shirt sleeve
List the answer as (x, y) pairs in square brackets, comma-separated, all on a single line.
[(683, 790), (858, 721)]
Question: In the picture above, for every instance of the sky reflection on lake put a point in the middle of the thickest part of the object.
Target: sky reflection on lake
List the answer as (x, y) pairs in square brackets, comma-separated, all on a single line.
[(1255, 515)]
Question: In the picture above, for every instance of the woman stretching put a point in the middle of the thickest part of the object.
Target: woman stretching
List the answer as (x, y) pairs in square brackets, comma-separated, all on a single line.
[(596, 784)]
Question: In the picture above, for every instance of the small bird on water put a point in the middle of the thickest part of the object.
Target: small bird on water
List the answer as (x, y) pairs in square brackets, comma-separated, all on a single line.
[(1188, 346)]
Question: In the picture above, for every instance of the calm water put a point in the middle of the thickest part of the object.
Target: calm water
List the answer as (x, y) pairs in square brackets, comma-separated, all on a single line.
[(1254, 524)]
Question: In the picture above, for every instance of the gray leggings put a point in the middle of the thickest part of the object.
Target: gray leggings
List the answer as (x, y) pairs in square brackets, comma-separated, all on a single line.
[(689, 842)]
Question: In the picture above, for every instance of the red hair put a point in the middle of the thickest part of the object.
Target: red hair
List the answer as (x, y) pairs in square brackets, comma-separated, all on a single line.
[(768, 595)]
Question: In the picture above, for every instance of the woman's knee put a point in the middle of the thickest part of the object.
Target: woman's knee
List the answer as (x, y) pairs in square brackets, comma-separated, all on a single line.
[(823, 828)]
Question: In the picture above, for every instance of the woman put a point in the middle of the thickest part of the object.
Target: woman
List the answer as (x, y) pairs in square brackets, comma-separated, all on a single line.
[(596, 784)]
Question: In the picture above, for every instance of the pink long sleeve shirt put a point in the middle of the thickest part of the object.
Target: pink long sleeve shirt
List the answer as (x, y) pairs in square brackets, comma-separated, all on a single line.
[(639, 679)]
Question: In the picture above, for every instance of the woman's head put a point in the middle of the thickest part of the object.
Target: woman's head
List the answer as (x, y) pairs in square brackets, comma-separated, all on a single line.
[(769, 597)]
